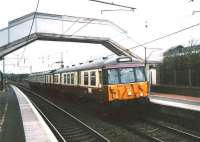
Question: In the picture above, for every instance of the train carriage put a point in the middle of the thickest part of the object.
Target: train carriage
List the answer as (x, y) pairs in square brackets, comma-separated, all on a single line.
[(110, 81)]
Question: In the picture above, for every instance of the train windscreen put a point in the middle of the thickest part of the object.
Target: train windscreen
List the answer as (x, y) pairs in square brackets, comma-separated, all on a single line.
[(125, 75)]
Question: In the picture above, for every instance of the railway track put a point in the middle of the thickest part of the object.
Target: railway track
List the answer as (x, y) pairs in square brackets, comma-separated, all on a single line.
[(65, 126), (150, 131), (160, 133)]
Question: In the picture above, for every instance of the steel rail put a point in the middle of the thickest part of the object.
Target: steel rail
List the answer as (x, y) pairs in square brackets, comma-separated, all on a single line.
[(49, 122), (92, 131), (142, 134), (192, 136)]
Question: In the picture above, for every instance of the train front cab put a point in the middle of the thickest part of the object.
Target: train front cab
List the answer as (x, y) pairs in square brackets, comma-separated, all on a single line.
[(126, 85)]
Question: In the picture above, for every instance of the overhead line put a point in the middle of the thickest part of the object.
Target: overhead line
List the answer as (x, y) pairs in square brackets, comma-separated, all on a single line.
[(159, 38), (113, 10), (133, 8), (33, 19), (31, 28), (165, 36)]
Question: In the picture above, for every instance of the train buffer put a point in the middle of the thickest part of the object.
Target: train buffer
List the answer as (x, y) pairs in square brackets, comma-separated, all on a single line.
[(19, 120)]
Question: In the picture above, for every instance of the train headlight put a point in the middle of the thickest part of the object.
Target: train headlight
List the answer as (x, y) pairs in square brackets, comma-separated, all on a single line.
[(129, 93)]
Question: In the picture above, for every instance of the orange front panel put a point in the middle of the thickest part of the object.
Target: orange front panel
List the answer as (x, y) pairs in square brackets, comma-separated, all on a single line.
[(127, 91)]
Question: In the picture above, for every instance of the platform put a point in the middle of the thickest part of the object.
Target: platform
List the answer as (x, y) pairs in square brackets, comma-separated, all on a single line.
[(20, 121), (184, 102)]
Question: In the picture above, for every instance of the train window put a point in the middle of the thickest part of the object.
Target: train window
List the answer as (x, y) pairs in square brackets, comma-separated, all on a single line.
[(79, 77), (127, 75), (93, 78), (1, 76), (140, 75), (85, 78), (65, 78), (100, 77), (56, 78), (113, 77), (1, 81), (46, 79), (72, 78), (51, 78), (68, 78)]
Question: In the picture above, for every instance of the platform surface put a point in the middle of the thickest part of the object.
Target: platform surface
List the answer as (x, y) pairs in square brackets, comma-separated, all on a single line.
[(185, 102), (11, 127), (35, 128)]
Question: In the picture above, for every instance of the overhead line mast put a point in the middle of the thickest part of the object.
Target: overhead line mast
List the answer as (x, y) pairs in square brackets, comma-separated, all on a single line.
[(124, 6)]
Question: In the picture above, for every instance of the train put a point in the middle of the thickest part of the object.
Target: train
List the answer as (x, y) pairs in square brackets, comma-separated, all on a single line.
[(116, 81)]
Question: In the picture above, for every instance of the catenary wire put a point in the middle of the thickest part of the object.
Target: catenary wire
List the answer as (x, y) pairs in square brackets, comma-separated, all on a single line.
[(34, 15), (156, 39)]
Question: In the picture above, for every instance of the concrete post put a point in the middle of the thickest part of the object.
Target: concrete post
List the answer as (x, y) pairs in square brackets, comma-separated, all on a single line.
[(3, 65), (175, 77), (190, 77)]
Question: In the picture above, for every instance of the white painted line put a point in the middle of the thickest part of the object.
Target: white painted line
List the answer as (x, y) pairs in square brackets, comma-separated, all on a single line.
[(2, 120), (181, 98), (176, 104), (36, 130)]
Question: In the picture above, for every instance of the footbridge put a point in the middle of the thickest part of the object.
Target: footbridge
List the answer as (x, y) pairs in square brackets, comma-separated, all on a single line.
[(51, 27)]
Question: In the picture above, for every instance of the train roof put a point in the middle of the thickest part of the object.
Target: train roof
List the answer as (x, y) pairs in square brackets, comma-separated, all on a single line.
[(42, 73), (104, 63)]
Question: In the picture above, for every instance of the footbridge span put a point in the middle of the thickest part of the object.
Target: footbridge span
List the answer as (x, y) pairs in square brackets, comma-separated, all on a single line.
[(53, 27)]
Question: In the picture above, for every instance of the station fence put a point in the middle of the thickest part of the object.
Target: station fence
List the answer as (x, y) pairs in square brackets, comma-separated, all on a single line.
[(184, 77)]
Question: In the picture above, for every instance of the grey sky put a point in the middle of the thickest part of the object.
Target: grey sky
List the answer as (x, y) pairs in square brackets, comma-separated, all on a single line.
[(162, 17)]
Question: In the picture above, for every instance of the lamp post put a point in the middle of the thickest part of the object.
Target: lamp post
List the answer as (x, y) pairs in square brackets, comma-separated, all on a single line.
[(4, 65), (145, 56), (3, 60)]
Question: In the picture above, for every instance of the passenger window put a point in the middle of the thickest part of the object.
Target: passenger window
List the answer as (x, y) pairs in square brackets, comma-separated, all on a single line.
[(113, 77), (79, 78), (100, 77), (140, 75), (85, 78), (72, 78), (68, 78), (56, 78), (93, 78), (51, 78), (127, 75), (65, 78)]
